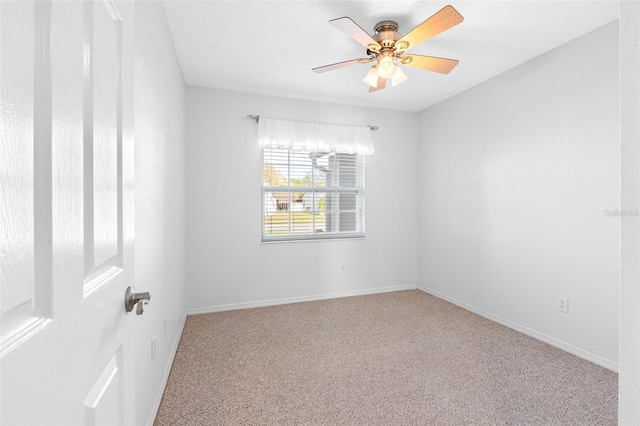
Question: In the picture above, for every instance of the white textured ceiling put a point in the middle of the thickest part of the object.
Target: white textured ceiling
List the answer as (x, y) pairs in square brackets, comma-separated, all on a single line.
[(269, 47)]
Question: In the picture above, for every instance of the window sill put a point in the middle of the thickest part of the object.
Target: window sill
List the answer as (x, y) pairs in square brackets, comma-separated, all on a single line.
[(315, 237)]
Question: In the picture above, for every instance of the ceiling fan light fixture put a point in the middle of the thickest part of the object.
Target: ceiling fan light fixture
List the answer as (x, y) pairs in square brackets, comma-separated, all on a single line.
[(386, 66), (387, 48), (398, 77), (371, 78)]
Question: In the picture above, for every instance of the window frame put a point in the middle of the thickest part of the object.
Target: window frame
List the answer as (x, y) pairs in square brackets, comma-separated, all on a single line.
[(357, 191)]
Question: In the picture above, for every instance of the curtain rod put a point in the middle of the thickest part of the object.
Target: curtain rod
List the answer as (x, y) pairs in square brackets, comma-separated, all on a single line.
[(257, 118)]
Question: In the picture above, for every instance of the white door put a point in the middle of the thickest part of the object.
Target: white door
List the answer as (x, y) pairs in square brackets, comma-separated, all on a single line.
[(66, 212)]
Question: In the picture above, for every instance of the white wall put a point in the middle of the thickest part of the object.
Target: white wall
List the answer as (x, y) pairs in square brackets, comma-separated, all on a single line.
[(515, 177), (160, 203), (629, 378), (227, 264)]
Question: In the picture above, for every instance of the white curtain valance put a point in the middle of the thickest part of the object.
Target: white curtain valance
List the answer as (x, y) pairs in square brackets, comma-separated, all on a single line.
[(316, 137)]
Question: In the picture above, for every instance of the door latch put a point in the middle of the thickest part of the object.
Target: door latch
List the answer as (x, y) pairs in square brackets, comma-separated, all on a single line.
[(131, 299)]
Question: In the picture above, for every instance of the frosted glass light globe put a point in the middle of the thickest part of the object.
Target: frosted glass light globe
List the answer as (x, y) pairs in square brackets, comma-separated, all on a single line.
[(372, 77), (386, 67), (398, 77)]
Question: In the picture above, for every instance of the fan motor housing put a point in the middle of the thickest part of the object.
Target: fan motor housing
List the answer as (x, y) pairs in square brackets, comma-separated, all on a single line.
[(386, 33)]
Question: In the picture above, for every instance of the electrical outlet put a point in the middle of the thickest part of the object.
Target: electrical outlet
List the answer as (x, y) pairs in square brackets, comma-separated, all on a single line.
[(344, 268), (563, 304), (164, 323)]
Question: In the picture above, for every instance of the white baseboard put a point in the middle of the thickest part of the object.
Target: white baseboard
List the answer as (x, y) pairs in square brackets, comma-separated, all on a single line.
[(165, 379), (273, 302), (596, 359)]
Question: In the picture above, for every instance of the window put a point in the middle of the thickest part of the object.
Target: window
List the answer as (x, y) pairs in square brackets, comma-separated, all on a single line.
[(312, 195), (313, 179)]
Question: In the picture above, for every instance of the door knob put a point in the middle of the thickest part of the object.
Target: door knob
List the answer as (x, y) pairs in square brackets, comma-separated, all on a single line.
[(131, 299)]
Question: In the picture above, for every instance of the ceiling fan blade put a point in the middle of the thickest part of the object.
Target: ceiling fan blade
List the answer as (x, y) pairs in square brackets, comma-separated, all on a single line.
[(442, 20), (431, 63), (353, 30), (338, 65), (382, 82)]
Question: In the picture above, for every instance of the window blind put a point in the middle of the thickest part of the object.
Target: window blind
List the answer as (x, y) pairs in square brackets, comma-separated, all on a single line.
[(312, 194)]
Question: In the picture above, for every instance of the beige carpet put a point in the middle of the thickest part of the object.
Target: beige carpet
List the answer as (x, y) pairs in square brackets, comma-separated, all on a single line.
[(402, 358)]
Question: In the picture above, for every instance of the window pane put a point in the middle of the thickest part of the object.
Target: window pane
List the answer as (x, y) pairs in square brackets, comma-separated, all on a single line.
[(276, 167), (304, 222), (300, 169), (343, 171), (320, 163), (292, 204), (342, 213), (276, 202), (276, 223), (297, 217)]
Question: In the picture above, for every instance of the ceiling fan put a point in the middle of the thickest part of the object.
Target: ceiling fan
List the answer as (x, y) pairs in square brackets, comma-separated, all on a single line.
[(387, 47)]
